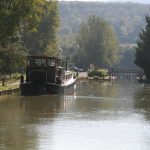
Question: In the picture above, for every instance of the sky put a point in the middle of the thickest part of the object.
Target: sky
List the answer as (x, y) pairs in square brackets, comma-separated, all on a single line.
[(136, 1)]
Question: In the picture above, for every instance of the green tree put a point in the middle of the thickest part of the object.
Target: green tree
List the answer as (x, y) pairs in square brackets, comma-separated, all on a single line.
[(68, 45), (11, 14), (11, 59), (44, 40), (37, 18), (97, 43), (15, 16), (143, 49)]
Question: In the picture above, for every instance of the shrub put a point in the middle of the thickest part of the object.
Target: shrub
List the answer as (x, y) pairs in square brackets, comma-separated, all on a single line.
[(98, 72)]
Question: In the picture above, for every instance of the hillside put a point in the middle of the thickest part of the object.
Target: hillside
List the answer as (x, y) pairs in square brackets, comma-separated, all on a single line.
[(127, 19)]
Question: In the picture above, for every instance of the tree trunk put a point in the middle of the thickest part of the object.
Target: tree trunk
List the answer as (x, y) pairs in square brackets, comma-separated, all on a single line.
[(3, 81)]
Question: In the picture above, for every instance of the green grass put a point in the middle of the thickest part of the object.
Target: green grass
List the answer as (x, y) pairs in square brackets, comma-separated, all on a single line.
[(8, 87), (10, 83)]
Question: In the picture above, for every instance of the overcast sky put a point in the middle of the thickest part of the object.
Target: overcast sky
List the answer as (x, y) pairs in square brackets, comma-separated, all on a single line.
[(136, 1)]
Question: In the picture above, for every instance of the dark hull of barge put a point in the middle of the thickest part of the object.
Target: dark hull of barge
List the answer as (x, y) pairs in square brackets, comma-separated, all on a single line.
[(43, 88)]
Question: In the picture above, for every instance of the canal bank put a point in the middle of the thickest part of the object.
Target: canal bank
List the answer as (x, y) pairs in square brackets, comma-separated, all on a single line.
[(9, 88), (14, 86), (10, 91)]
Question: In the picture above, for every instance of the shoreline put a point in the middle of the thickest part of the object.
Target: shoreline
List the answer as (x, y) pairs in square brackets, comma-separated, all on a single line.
[(81, 76), (9, 88), (10, 91)]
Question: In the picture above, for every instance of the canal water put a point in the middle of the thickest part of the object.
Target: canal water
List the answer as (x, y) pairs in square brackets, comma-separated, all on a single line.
[(92, 115)]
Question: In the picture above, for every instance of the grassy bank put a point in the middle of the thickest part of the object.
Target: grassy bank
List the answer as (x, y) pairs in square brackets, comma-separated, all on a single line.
[(10, 83), (8, 87)]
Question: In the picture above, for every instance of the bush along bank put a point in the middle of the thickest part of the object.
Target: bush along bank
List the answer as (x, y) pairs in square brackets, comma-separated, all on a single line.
[(100, 74)]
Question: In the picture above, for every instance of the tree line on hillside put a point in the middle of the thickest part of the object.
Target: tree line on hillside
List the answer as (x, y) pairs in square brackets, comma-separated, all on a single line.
[(125, 18)]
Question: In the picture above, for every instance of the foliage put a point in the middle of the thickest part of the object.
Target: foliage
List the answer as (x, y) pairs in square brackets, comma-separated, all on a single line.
[(44, 40), (98, 73), (68, 45), (125, 18), (143, 48), (127, 57), (11, 14), (34, 22), (38, 20), (12, 59), (15, 77), (97, 43)]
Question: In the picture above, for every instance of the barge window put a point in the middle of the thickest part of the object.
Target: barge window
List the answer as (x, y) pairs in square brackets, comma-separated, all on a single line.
[(30, 61), (37, 62), (43, 62), (51, 62)]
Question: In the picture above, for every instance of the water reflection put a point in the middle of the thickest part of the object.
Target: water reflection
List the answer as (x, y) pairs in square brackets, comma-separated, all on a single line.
[(13, 134), (91, 115), (142, 101), (36, 107)]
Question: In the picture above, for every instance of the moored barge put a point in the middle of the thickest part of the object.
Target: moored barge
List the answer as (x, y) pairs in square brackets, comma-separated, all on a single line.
[(44, 75)]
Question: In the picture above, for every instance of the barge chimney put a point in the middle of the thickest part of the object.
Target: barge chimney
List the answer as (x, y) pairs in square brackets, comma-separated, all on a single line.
[(66, 64)]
